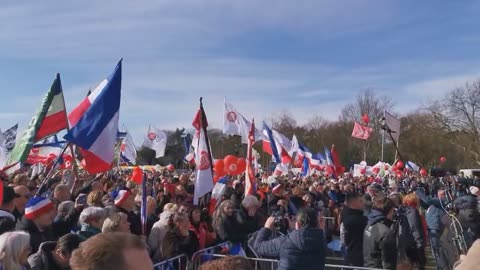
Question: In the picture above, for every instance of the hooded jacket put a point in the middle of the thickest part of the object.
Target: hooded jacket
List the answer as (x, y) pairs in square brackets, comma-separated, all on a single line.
[(377, 252), (301, 249)]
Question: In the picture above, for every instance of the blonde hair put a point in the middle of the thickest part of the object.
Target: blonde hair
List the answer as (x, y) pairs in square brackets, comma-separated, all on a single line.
[(170, 207), (113, 221), (94, 198), (12, 245)]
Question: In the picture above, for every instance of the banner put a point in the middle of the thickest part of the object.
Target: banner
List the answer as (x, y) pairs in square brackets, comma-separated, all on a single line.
[(361, 132)]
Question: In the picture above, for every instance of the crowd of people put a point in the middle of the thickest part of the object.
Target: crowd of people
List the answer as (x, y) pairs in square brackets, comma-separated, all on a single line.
[(95, 221)]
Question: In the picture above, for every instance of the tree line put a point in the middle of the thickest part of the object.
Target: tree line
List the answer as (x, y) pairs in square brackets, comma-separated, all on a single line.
[(448, 126)]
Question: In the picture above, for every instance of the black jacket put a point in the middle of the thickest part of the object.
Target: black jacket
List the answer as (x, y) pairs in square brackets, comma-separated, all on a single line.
[(301, 249), (416, 227), (43, 259), (36, 237), (353, 225), (377, 252)]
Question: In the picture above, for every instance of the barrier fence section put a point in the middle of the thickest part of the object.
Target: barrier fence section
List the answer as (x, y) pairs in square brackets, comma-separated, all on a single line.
[(270, 264), (203, 254), (177, 262)]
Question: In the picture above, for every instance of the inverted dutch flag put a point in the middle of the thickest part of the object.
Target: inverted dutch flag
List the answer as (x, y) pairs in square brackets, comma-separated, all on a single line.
[(95, 123), (412, 166), (269, 145)]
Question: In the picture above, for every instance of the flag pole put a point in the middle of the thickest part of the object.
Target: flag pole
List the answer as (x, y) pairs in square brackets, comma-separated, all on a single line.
[(383, 135), (74, 163), (51, 170), (143, 210), (365, 151), (203, 122)]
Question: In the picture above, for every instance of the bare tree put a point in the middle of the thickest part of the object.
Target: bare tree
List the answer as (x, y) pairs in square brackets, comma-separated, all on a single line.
[(367, 102), (458, 115)]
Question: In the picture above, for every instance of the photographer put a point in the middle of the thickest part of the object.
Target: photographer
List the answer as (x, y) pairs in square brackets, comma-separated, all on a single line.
[(304, 248)]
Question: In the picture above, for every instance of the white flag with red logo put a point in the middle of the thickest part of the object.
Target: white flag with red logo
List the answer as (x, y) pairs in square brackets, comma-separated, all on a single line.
[(361, 132), (156, 139), (203, 157), (234, 123)]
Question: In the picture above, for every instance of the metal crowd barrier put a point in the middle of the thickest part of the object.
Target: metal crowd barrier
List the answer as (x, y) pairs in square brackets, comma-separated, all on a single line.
[(179, 262), (199, 256), (270, 264)]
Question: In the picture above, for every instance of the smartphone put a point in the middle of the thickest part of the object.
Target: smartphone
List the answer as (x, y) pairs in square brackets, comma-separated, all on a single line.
[(82, 199)]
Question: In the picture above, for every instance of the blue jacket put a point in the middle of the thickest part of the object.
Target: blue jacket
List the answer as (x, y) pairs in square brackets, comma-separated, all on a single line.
[(301, 249), (434, 213)]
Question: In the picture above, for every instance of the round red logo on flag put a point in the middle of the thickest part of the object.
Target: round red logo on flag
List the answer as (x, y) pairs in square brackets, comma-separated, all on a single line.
[(204, 161), (35, 150), (152, 136), (232, 116)]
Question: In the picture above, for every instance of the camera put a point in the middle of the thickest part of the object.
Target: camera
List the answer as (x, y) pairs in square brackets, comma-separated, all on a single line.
[(279, 222)]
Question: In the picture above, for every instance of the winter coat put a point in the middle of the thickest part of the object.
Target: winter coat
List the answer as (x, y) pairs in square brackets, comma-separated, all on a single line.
[(434, 213), (43, 259), (377, 251), (353, 224), (36, 236), (7, 221), (157, 234), (301, 249), (416, 227)]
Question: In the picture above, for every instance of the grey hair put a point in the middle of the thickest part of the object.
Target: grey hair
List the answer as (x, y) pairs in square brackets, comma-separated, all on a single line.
[(12, 245), (250, 201), (66, 207), (97, 213)]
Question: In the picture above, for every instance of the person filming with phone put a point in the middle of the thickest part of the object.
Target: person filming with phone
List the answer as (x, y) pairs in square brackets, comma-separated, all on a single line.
[(303, 248)]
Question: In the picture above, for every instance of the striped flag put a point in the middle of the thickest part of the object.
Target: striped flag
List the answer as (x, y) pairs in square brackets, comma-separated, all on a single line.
[(95, 123), (50, 118), (249, 175)]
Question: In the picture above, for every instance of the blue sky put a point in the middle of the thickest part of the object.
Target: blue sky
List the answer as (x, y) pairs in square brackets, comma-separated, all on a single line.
[(306, 57)]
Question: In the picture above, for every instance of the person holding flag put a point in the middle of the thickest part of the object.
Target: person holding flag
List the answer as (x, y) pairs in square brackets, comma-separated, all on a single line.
[(203, 156)]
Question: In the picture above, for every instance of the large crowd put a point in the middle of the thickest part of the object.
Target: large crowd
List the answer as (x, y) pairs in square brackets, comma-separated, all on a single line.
[(94, 222)]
